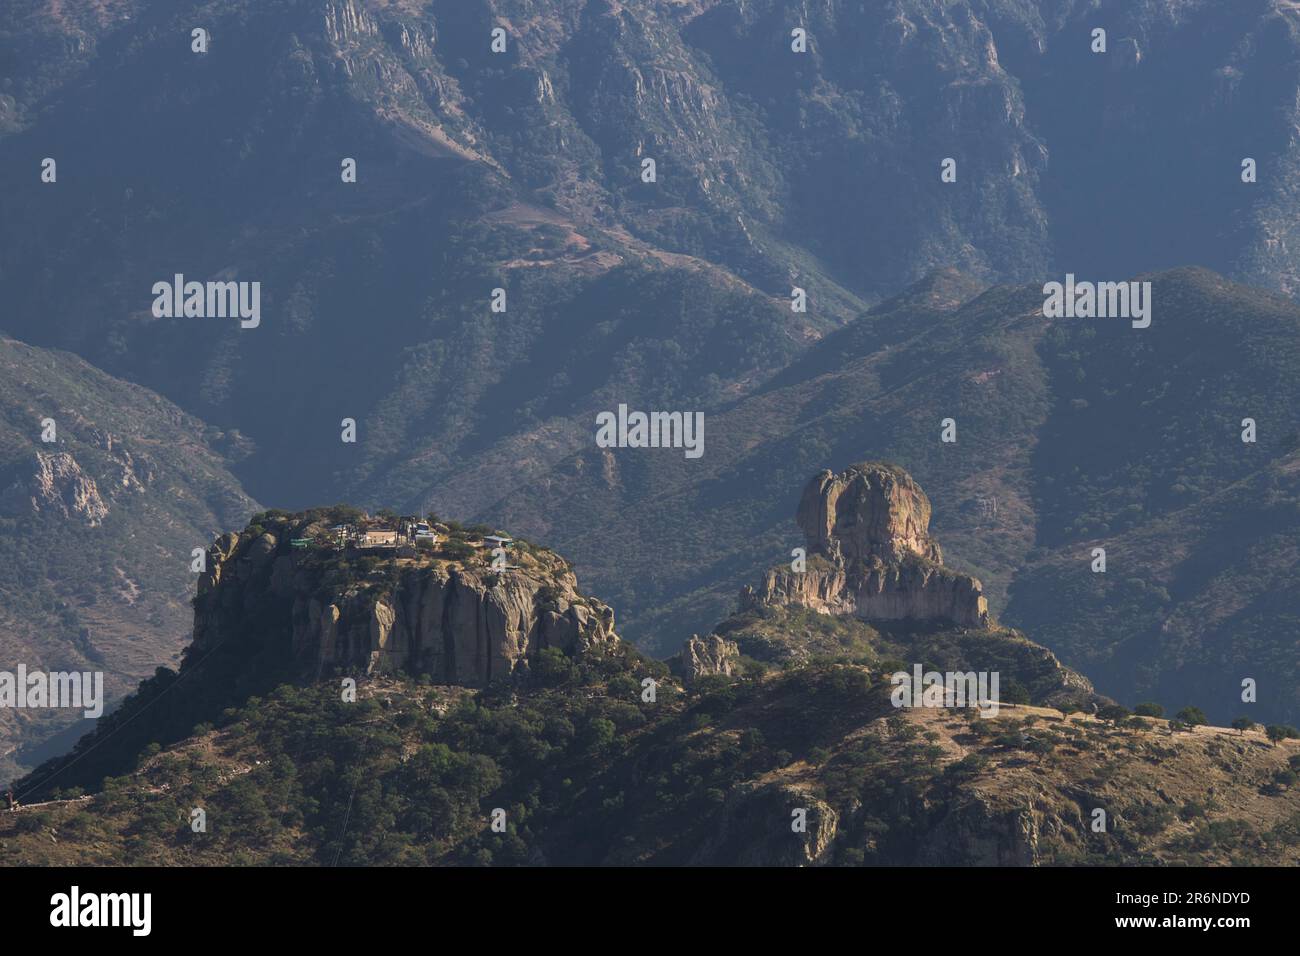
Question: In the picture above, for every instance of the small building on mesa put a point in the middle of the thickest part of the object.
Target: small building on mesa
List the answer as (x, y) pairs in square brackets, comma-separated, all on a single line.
[(377, 538)]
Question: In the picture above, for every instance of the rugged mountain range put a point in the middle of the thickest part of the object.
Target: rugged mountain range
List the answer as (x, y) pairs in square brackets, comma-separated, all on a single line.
[(522, 171)]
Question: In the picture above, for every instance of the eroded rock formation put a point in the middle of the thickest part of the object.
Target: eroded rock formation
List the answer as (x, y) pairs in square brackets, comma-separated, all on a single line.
[(870, 554), (703, 656), (455, 621), (770, 824), (58, 485), (867, 511)]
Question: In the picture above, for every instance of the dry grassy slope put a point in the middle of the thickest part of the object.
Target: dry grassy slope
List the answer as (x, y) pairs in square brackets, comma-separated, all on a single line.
[(1160, 790), (1170, 798), (1128, 774)]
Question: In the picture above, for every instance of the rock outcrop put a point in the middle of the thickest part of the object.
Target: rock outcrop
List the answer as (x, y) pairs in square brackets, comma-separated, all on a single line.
[(459, 622), (870, 554), (704, 656), (770, 824), (58, 485), (977, 832)]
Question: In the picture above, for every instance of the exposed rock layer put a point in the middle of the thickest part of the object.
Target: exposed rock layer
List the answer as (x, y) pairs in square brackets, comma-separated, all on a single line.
[(57, 484), (455, 622)]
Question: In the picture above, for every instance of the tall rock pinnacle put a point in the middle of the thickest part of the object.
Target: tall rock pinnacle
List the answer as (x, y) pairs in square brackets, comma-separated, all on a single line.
[(870, 523), (868, 510)]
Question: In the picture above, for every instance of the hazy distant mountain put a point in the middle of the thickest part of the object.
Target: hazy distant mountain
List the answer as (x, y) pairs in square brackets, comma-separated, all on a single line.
[(522, 170)]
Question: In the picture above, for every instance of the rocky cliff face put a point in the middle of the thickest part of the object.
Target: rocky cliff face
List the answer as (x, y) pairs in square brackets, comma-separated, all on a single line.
[(770, 824), (978, 832), (458, 621), (871, 555), (754, 828), (459, 626), (56, 485)]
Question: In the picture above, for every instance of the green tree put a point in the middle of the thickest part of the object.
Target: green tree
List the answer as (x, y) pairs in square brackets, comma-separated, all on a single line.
[(1279, 732), (552, 668), (624, 687), (1112, 713), (457, 550), (599, 733)]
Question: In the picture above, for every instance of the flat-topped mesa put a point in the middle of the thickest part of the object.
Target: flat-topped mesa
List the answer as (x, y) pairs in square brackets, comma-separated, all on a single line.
[(439, 608), (871, 554)]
